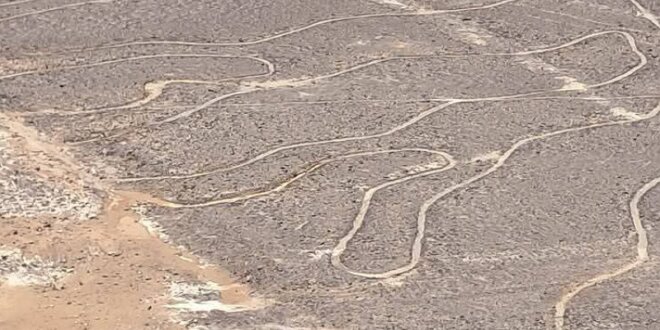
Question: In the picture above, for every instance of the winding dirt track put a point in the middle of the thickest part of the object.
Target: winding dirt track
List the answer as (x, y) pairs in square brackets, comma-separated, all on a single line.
[(15, 3), (294, 31), (154, 89), (646, 13), (642, 255), (44, 11), (255, 83)]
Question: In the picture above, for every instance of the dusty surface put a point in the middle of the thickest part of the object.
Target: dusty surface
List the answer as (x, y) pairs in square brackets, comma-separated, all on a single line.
[(329, 164)]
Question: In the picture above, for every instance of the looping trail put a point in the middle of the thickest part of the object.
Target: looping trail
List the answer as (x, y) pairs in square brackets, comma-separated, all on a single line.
[(294, 31), (154, 89), (642, 238), (268, 85), (416, 249), (421, 217), (294, 146), (642, 243), (137, 58), (285, 183), (246, 89), (294, 83), (642, 257), (303, 82), (646, 13)]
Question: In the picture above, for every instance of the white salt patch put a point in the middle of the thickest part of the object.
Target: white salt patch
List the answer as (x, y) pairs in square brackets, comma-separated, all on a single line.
[(185, 298), (491, 156), (18, 270), (571, 84)]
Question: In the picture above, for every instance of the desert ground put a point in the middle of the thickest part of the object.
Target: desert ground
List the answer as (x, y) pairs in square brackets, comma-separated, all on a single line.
[(330, 164)]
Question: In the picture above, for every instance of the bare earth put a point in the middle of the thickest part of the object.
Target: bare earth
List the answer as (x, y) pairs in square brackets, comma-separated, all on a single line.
[(329, 164)]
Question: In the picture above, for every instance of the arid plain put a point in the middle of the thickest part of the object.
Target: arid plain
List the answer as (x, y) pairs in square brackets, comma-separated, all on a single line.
[(329, 164)]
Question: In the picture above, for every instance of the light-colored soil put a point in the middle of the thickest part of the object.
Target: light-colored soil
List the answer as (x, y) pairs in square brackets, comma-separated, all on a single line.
[(112, 272)]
